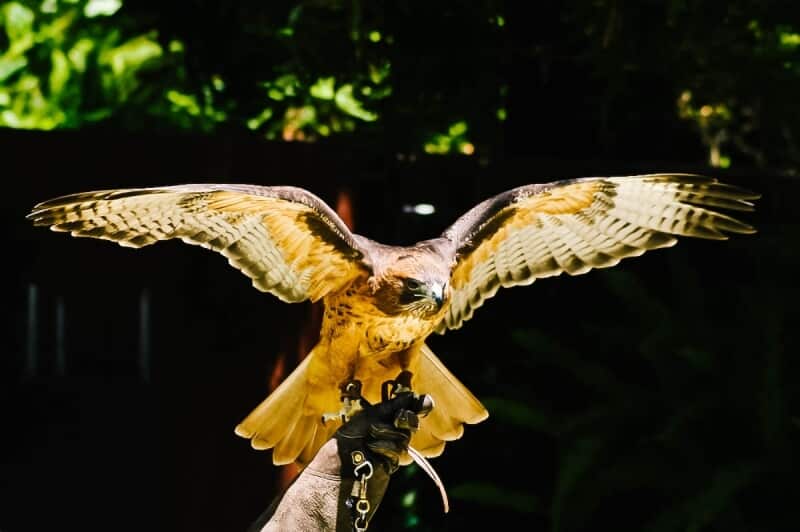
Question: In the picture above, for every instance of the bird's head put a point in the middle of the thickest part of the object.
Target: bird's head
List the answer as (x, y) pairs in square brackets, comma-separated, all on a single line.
[(416, 283)]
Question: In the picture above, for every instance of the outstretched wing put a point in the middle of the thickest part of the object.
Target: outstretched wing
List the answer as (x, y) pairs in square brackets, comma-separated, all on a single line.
[(572, 226), (288, 241)]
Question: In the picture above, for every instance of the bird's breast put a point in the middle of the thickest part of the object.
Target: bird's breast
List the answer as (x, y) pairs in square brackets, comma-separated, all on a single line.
[(352, 318)]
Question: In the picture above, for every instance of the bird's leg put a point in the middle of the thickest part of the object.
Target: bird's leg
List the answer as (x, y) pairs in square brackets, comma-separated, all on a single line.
[(400, 384), (352, 402)]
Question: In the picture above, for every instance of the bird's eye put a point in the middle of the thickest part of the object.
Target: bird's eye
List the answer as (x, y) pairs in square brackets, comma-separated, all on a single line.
[(412, 284)]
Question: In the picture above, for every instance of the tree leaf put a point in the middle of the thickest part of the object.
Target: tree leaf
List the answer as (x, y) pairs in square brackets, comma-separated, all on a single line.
[(575, 462), (60, 72), (18, 21), (501, 497), (517, 414)]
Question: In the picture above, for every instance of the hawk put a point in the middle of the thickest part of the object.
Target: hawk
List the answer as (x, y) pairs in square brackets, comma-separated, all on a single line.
[(381, 302)]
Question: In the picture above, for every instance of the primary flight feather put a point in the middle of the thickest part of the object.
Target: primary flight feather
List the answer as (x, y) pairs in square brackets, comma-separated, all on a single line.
[(382, 302)]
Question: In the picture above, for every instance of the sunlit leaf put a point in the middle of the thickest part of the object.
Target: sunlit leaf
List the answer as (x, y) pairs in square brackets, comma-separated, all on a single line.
[(255, 122), (79, 53), (379, 72), (49, 6), (789, 40), (347, 103), (176, 46), (60, 72), (210, 111), (97, 8), (10, 65), (132, 55), (408, 499), (457, 129), (288, 84), (323, 89), (438, 145), (18, 21), (9, 118), (295, 120), (185, 102), (57, 29)]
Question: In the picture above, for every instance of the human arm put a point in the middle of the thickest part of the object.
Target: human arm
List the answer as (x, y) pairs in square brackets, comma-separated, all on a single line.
[(366, 448)]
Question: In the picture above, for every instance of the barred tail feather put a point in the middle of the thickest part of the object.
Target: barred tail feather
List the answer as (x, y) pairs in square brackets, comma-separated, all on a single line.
[(454, 405), (280, 422)]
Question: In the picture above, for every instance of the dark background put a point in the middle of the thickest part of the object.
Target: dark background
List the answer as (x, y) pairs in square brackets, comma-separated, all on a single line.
[(657, 395)]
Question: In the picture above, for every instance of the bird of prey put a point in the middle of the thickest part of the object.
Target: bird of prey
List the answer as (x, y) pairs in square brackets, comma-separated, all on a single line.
[(381, 302)]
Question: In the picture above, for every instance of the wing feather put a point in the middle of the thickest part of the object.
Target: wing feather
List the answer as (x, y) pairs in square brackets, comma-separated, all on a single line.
[(573, 226), (288, 241)]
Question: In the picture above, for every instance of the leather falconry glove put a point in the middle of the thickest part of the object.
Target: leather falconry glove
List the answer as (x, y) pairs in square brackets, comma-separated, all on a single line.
[(341, 488)]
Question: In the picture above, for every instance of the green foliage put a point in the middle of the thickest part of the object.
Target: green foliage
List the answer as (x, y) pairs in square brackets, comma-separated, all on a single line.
[(71, 63), (686, 422), (67, 63), (498, 498), (309, 70), (729, 109), (305, 103), (305, 110), (64, 66), (665, 402), (517, 413), (454, 141), (315, 69)]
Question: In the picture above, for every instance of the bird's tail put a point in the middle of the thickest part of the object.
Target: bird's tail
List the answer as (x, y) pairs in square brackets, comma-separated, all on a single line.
[(282, 423), (454, 405), (285, 422)]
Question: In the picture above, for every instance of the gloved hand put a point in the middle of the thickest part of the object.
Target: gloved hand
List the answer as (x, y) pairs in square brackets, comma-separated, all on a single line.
[(330, 493), (382, 431)]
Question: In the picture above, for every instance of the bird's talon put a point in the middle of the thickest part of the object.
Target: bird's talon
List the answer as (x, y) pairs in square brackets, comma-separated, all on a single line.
[(348, 410), (329, 416), (352, 402), (351, 390)]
